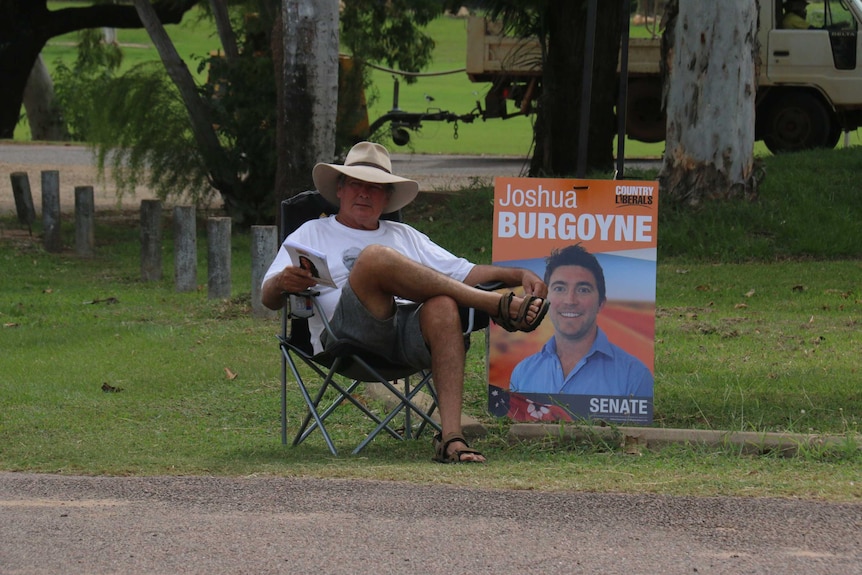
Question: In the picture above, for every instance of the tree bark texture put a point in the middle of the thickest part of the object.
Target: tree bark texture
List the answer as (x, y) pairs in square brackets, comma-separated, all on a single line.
[(27, 25), (46, 122), (309, 91), (710, 53), (558, 118), (225, 31), (282, 153)]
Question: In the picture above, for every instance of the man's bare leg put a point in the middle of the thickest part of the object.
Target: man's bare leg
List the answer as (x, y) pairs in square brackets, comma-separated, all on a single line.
[(441, 328), (381, 273)]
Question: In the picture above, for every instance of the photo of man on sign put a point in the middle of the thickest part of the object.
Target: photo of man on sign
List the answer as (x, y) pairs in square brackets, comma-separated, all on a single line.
[(593, 242), (579, 359)]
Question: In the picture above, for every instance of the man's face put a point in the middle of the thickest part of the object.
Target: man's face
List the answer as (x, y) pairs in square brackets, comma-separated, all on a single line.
[(361, 203), (574, 302)]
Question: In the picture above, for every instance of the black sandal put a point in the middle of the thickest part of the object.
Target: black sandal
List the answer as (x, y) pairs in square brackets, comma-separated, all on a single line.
[(520, 323), (441, 444)]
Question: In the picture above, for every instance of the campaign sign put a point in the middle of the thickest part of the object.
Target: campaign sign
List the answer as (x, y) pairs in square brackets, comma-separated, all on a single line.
[(594, 244)]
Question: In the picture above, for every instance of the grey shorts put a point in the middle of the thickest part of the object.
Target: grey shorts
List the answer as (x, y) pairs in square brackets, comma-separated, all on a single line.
[(398, 338)]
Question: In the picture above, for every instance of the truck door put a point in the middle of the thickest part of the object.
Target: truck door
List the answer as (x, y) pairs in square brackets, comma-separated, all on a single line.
[(817, 55), (811, 77)]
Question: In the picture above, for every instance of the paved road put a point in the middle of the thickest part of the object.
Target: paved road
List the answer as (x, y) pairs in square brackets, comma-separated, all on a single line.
[(76, 155), (76, 165), (70, 525), (431, 164), (433, 172)]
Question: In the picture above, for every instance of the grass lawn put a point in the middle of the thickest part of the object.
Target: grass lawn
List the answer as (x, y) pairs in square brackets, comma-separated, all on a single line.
[(758, 308), (752, 335)]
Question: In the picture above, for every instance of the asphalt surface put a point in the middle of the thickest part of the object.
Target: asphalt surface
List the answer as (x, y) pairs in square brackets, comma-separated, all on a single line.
[(52, 524), (61, 155), (59, 524), (435, 173), (76, 165)]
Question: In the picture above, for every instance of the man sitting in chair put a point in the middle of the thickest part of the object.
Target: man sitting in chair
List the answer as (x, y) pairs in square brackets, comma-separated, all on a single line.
[(398, 291)]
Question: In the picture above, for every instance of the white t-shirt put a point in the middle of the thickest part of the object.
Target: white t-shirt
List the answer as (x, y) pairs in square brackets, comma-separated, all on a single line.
[(342, 245)]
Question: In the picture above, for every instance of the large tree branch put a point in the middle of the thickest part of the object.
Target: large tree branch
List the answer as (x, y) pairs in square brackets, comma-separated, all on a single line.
[(225, 31), (113, 16), (26, 25)]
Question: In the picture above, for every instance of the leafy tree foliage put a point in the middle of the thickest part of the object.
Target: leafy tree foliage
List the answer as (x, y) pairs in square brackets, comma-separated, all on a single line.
[(80, 86), (140, 127), (390, 33)]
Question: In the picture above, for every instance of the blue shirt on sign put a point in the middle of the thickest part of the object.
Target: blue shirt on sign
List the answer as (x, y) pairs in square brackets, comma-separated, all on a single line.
[(607, 369)]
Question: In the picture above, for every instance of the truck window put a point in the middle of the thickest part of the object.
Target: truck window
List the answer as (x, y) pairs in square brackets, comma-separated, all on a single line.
[(842, 27)]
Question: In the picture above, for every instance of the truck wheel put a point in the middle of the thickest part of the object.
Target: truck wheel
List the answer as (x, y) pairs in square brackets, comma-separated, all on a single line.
[(645, 120), (798, 121)]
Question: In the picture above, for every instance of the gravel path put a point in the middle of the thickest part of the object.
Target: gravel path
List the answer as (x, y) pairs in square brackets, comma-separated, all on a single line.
[(259, 525)]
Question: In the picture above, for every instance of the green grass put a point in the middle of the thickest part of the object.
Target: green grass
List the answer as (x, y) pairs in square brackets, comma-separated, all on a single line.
[(757, 302), (757, 329), (764, 340)]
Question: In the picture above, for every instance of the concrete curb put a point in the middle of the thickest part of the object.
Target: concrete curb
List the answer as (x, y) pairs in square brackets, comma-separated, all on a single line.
[(635, 439)]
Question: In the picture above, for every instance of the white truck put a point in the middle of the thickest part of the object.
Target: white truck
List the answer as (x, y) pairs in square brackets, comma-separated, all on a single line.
[(809, 80)]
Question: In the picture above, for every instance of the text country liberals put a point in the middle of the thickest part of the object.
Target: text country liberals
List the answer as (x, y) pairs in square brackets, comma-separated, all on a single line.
[(573, 226)]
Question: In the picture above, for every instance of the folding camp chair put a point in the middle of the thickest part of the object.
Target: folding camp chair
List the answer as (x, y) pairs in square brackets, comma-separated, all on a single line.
[(346, 364)]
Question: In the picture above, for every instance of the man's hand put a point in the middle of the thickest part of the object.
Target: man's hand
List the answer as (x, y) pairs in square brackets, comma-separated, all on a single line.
[(294, 280), (533, 285)]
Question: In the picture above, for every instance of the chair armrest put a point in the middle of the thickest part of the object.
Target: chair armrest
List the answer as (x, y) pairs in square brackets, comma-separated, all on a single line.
[(490, 285)]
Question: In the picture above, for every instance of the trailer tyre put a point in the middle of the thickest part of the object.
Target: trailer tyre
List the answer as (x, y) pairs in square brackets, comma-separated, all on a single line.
[(799, 121), (400, 136)]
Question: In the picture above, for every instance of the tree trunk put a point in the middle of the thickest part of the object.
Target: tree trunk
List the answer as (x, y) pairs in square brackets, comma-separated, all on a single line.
[(282, 153), (710, 52), (225, 31), (309, 93), (558, 120), (46, 122), (223, 179)]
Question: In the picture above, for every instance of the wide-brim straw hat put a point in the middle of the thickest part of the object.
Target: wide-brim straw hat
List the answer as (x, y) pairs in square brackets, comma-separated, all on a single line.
[(368, 162)]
